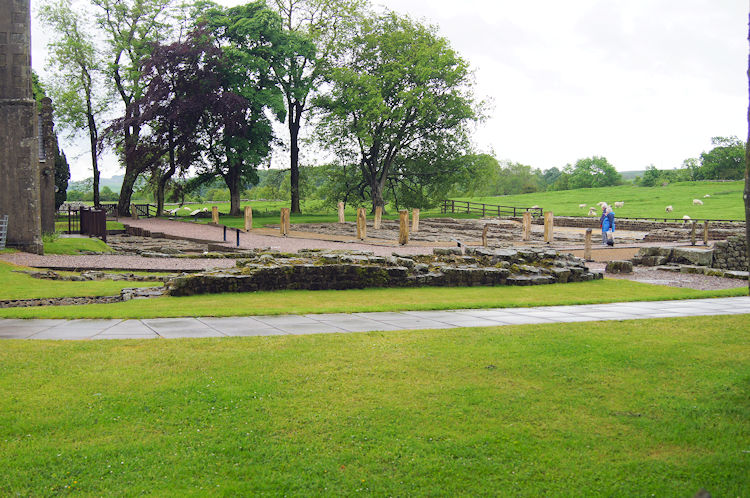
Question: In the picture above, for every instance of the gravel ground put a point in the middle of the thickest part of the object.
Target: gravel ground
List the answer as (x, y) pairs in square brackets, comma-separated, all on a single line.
[(673, 279), (115, 262)]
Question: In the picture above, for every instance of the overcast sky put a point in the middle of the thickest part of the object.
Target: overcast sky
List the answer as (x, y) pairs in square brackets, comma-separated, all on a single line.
[(637, 81)]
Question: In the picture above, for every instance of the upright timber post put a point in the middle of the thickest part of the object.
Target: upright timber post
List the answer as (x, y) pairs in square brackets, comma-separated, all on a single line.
[(20, 196), (215, 215), (587, 246), (692, 233), (284, 223), (484, 235), (526, 226), (341, 213), (133, 212), (248, 218), (415, 220), (549, 226), (403, 227), (705, 233), (361, 224), (378, 217)]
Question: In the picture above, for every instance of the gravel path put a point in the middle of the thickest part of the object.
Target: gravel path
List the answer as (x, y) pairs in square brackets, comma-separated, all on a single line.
[(115, 262), (673, 279)]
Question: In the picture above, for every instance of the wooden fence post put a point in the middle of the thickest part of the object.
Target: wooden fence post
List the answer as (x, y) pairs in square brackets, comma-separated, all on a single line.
[(133, 212), (415, 220), (378, 217), (361, 224), (403, 227), (248, 218), (484, 235), (341, 213), (692, 233), (215, 215), (549, 226), (705, 233), (526, 225), (285, 223), (587, 246)]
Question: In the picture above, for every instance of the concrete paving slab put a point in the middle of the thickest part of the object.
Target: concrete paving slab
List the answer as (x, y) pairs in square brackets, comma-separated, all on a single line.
[(181, 327), (415, 323), (382, 315), (471, 322), (12, 328), (283, 320), (311, 328), (76, 329), (129, 327), (361, 325), (240, 326), (101, 337)]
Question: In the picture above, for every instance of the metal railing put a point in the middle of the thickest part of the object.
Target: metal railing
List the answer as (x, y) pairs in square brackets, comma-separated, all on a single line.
[(3, 230), (451, 206)]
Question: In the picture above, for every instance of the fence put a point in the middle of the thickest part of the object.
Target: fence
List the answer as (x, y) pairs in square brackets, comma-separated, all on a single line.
[(143, 210), (71, 218), (3, 230), (94, 222), (450, 206)]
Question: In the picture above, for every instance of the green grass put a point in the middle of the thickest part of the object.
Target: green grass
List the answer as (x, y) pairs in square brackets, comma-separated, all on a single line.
[(649, 202), (362, 300), (629, 408), (21, 286), (74, 245)]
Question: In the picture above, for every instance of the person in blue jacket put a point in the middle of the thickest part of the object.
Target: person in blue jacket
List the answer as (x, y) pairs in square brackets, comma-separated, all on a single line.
[(607, 222)]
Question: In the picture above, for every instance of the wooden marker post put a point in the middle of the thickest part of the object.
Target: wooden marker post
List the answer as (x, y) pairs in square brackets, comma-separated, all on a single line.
[(415, 220), (692, 233), (403, 227), (361, 224), (285, 223), (705, 233), (248, 218), (587, 246), (341, 213), (527, 226), (549, 226), (215, 215), (378, 217), (484, 235)]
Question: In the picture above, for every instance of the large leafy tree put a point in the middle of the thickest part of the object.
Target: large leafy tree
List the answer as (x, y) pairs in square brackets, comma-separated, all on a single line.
[(314, 31), (726, 161), (593, 171), (76, 85), (399, 94), (130, 29), (239, 134)]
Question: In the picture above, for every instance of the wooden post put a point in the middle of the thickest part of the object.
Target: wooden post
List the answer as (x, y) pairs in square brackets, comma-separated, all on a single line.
[(527, 225), (248, 218), (378, 217), (549, 225), (285, 223), (215, 215), (133, 212), (403, 227), (692, 233), (415, 220), (587, 246), (341, 212), (361, 224), (705, 233), (484, 235)]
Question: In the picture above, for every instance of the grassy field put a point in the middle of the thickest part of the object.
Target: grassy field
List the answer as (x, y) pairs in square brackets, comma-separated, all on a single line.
[(74, 245), (725, 201), (631, 408)]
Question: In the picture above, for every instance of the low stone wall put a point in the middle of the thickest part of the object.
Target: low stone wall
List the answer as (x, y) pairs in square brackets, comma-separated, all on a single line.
[(731, 254), (634, 224), (320, 270)]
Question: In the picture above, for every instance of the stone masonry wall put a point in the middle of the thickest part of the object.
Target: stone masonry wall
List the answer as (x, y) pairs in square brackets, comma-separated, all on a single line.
[(731, 254)]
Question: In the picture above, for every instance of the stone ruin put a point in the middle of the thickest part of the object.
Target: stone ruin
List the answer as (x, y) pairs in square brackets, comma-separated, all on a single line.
[(321, 269)]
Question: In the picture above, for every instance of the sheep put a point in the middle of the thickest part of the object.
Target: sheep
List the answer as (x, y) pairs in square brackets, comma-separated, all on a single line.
[(193, 213), (686, 218), (707, 196), (697, 202), (581, 206), (592, 211), (601, 203), (172, 212), (534, 207), (668, 209), (619, 204)]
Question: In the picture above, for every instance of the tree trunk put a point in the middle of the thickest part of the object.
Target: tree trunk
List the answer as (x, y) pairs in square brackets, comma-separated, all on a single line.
[(164, 178), (295, 115), (126, 192), (94, 157), (377, 194), (232, 179)]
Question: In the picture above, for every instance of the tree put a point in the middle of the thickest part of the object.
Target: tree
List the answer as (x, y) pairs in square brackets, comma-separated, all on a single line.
[(314, 30), (238, 134), (76, 87), (651, 177), (726, 161), (62, 175), (399, 93), (130, 28), (593, 172)]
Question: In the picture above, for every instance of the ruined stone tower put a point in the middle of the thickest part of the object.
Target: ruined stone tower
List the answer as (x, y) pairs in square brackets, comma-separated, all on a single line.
[(19, 144)]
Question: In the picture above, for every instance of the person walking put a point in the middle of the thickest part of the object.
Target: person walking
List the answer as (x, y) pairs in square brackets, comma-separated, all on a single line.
[(608, 225), (604, 223)]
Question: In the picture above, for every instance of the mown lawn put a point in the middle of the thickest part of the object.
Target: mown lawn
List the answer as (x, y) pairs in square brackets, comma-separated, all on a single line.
[(74, 245), (632, 408)]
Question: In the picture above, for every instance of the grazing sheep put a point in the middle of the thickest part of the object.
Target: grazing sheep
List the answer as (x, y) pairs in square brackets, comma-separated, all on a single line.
[(601, 203), (193, 213), (668, 209), (707, 196), (619, 204), (686, 218), (592, 211), (582, 206), (534, 207), (172, 212), (697, 202)]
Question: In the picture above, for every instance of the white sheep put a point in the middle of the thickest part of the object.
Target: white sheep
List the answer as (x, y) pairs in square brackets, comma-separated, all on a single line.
[(592, 211), (697, 202), (686, 218), (582, 206), (619, 204), (668, 209), (707, 196), (534, 207), (172, 212), (193, 213), (601, 203)]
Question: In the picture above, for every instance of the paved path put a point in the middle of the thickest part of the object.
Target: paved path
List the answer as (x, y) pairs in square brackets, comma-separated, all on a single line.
[(361, 322)]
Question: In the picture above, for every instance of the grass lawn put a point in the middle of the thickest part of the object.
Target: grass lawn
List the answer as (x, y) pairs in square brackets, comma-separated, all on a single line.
[(356, 300), (21, 286), (74, 245), (725, 201), (630, 408)]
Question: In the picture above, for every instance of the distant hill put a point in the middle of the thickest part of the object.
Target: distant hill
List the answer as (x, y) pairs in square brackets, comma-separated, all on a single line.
[(630, 175), (113, 182)]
